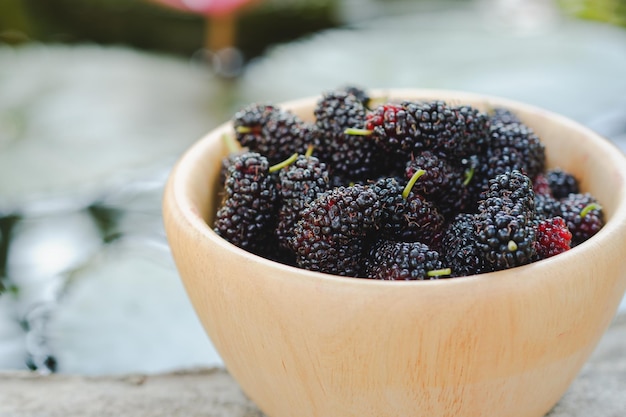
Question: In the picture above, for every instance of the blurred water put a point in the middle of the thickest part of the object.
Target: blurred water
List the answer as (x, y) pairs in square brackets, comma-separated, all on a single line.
[(81, 121), (12, 339), (87, 137), (126, 311)]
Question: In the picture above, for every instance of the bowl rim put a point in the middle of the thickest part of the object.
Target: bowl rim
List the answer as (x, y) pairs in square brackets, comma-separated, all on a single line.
[(186, 210)]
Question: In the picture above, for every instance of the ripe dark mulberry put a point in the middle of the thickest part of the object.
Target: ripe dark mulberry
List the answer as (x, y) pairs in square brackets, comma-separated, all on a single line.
[(583, 215), (541, 185), (409, 219), (514, 187), (459, 248), (393, 129), (503, 116), (248, 213), (273, 132), (351, 157), (524, 140), (475, 133), (330, 233), (299, 184), (361, 95), (399, 261), (546, 206), (562, 183), (455, 131), (442, 182), (504, 228)]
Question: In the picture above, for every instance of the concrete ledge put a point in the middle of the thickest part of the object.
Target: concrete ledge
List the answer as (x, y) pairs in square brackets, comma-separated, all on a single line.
[(204, 392), (598, 391)]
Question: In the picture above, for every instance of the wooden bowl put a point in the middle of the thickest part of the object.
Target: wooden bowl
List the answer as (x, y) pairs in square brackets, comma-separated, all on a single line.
[(307, 344)]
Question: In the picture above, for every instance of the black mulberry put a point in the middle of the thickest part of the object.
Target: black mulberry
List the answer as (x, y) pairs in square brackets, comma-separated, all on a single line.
[(505, 228), (524, 140), (562, 183), (248, 214), (351, 157), (330, 233), (409, 219), (583, 215), (399, 261), (442, 182), (273, 132), (299, 184), (459, 248)]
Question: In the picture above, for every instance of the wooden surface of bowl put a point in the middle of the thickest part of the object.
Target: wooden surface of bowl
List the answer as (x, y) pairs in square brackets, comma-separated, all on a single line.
[(307, 344)]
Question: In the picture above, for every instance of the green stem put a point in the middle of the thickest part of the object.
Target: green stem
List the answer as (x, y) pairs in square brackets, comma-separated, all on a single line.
[(283, 164), (243, 129), (469, 174), (357, 132), (439, 272), (589, 207), (411, 183), (309, 151)]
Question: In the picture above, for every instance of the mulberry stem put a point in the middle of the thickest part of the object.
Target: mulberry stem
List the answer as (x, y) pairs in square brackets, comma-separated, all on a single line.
[(284, 163), (589, 207), (411, 183), (439, 272), (469, 174), (357, 132), (243, 129)]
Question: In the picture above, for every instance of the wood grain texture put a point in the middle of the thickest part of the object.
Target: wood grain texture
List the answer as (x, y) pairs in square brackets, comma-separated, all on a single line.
[(317, 345)]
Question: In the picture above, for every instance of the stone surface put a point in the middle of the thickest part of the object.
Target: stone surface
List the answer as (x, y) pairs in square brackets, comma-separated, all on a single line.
[(182, 394), (598, 391)]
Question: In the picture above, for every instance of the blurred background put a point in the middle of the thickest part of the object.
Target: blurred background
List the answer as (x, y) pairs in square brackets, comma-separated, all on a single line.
[(98, 98)]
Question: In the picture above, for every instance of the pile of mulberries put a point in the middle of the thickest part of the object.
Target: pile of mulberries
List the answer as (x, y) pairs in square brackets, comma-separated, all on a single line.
[(407, 190)]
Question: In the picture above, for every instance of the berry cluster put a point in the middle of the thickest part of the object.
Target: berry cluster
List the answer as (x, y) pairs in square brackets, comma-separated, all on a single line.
[(409, 190)]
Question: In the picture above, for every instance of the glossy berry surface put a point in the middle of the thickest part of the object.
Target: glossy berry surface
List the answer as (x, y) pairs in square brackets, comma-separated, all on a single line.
[(583, 215), (460, 250), (398, 190), (298, 185), (561, 183), (248, 214), (504, 228), (273, 132), (403, 261), (330, 233)]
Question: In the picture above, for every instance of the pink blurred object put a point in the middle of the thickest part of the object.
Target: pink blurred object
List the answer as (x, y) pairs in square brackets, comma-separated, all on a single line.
[(206, 7), (221, 30)]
